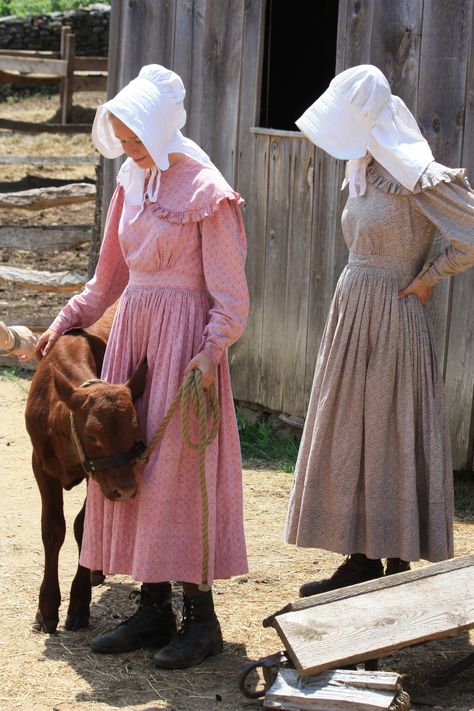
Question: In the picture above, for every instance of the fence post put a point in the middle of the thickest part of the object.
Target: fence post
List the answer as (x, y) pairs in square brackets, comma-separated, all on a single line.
[(97, 229), (67, 52)]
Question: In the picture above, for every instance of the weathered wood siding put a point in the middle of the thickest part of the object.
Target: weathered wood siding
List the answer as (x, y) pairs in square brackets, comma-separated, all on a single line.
[(296, 250), (426, 50)]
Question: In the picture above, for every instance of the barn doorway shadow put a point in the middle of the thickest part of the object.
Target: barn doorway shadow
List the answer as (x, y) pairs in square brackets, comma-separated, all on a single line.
[(131, 681)]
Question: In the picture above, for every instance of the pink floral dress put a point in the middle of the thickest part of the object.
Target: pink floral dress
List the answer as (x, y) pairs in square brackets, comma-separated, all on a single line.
[(179, 273)]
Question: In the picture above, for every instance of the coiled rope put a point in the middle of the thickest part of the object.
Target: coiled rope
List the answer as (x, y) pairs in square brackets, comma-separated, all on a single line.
[(205, 405)]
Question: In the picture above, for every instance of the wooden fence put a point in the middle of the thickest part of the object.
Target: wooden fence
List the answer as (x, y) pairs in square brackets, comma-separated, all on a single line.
[(61, 68), (45, 238)]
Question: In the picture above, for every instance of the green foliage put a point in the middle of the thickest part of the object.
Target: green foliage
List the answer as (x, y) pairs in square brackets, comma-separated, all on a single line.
[(464, 494), (18, 375), (21, 8), (259, 440)]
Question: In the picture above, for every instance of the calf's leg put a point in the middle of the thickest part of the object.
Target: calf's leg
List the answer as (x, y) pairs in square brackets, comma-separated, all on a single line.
[(53, 529), (80, 597)]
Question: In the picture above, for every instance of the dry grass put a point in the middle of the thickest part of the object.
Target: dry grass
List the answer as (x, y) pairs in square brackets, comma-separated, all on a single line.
[(60, 672)]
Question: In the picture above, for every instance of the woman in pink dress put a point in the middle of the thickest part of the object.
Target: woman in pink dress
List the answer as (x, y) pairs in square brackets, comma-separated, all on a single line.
[(174, 252)]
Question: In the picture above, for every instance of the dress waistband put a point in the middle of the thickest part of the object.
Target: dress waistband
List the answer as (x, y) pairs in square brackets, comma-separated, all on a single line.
[(400, 267), (167, 278), (378, 260)]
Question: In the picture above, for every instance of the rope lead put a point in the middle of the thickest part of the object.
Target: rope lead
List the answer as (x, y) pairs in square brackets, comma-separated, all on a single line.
[(191, 396)]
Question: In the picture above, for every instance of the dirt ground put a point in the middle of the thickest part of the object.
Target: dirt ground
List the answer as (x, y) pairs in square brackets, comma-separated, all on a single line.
[(59, 672)]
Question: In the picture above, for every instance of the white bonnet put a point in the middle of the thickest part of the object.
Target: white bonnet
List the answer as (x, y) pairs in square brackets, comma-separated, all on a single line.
[(358, 114), (152, 107)]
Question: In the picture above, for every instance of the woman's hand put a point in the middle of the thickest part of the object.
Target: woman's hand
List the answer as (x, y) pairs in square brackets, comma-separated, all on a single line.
[(417, 288), (27, 341), (207, 367), (45, 343)]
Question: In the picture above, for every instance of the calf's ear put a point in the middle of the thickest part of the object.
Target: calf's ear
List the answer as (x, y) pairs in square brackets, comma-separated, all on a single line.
[(65, 389), (136, 384)]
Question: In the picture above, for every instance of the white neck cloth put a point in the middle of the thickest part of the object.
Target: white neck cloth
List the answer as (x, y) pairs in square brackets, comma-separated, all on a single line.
[(152, 107), (358, 115)]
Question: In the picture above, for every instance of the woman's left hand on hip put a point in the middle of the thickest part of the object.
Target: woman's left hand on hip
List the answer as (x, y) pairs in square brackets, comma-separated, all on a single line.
[(418, 288)]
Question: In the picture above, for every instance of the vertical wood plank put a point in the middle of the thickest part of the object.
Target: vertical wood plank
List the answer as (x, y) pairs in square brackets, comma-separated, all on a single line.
[(395, 46), (250, 89), (182, 49), (217, 57), (460, 351), (246, 353), (441, 99), (442, 96), (280, 195), (68, 49), (324, 235), (251, 182), (354, 41), (296, 303)]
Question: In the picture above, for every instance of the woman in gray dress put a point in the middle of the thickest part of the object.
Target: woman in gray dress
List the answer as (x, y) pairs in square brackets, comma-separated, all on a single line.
[(373, 479)]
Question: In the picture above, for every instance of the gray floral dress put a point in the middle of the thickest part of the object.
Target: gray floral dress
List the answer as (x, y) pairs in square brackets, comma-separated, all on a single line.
[(374, 472)]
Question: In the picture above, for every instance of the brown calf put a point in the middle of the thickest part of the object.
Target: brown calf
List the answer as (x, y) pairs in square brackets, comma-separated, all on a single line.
[(106, 427)]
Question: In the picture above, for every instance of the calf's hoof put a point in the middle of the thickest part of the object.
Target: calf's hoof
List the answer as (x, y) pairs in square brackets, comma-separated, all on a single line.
[(76, 621), (97, 578), (45, 625)]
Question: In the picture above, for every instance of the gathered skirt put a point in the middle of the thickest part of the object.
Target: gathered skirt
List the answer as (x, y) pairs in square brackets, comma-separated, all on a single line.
[(374, 471), (157, 536)]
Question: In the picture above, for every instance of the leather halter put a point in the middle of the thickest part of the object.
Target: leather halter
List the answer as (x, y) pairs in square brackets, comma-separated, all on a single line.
[(102, 463)]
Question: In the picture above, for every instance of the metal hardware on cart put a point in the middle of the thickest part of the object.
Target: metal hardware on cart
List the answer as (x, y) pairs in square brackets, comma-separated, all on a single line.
[(270, 667)]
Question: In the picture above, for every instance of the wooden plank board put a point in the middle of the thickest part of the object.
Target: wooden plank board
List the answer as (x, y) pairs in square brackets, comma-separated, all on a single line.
[(251, 182), (336, 689), (298, 276), (32, 127), (35, 322), (89, 82), (221, 64), (395, 46), (272, 366), (354, 625), (63, 282), (34, 65), (30, 79), (39, 238), (459, 372), (44, 54), (90, 64), (49, 160), (40, 198), (324, 234), (246, 353), (441, 104)]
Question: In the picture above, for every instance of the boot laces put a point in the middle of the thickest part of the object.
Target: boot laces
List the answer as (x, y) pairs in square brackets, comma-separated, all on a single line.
[(188, 618), (140, 603)]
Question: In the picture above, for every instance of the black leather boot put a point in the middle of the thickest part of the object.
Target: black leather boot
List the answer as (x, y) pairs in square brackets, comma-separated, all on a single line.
[(152, 625), (396, 565), (357, 568), (199, 637)]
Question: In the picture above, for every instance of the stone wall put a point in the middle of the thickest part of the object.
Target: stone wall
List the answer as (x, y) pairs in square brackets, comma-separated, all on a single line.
[(42, 32)]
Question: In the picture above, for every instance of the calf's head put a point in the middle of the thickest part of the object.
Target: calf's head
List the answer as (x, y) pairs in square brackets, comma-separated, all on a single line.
[(106, 426)]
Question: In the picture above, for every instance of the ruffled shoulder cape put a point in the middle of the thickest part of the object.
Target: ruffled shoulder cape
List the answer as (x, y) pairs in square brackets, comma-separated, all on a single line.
[(192, 192), (434, 174)]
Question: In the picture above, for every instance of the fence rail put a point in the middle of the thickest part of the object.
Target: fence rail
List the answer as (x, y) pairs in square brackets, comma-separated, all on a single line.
[(63, 68)]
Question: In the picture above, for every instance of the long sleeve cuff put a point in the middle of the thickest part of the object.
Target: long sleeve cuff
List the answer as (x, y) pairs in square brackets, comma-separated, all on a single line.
[(212, 351)]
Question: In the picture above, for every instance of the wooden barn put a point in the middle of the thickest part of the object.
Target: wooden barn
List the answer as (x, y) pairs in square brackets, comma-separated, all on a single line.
[(250, 68)]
